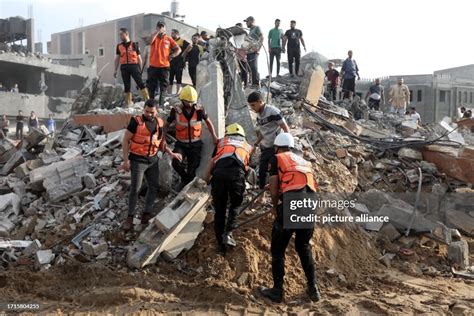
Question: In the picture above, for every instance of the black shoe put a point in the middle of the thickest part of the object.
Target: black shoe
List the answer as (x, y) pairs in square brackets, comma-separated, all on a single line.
[(313, 293), (274, 294)]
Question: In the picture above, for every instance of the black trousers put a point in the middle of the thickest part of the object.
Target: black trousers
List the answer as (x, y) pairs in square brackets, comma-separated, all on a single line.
[(252, 60), (265, 156), (280, 240), (226, 188), (244, 72), (128, 71), (275, 53), (176, 71), (151, 173), (192, 154), (19, 130), (374, 104), (157, 76), (193, 74), (294, 54)]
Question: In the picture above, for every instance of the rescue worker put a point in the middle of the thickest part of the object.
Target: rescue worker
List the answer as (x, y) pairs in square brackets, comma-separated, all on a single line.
[(270, 122), (130, 61), (143, 139), (188, 117), (228, 167), (162, 49), (289, 173), (178, 63)]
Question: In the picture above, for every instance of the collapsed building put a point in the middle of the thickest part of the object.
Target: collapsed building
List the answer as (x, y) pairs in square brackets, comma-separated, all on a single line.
[(64, 201)]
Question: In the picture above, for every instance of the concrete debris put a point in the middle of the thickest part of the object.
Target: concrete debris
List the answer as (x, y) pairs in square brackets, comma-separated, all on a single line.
[(32, 248), (7, 149), (410, 153), (9, 212), (458, 254), (15, 160), (44, 257), (461, 221), (94, 248)]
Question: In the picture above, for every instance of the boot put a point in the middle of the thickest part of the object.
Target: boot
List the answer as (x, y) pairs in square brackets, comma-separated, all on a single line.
[(228, 239), (274, 294), (127, 225), (313, 293), (145, 94), (146, 218), (128, 99)]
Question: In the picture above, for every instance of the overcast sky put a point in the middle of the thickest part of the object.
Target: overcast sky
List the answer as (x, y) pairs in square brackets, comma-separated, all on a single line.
[(388, 38)]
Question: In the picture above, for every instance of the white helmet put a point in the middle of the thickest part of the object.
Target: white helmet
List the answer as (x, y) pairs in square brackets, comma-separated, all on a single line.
[(284, 140)]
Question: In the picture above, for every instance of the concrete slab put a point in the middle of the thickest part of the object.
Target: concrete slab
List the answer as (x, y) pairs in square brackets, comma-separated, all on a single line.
[(400, 218), (458, 254), (461, 221), (312, 85), (9, 212)]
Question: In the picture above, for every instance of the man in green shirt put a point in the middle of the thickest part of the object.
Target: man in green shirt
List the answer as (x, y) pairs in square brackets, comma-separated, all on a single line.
[(274, 43)]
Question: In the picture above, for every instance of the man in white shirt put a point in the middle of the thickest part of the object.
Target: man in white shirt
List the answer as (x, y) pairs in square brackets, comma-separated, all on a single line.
[(415, 116)]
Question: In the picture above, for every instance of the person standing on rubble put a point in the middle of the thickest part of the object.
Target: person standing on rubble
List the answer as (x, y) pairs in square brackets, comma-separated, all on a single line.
[(20, 121), (375, 95), (228, 167), (162, 49), (33, 121), (399, 98), (193, 58), (188, 117), (332, 76), (51, 124), (256, 35), (130, 61), (349, 72), (289, 173), (270, 122), (275, 37), (178, 63), (293, 37), (143, 139)]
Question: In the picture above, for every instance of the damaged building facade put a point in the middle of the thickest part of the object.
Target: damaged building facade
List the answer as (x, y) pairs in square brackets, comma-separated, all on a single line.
[(100, 39), (46, 84), (434, 95)]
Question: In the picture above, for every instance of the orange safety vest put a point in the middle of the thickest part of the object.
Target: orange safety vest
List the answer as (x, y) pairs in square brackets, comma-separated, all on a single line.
[(128, 55), (143, 142), (294, 173), (188, 130), (235, 147)]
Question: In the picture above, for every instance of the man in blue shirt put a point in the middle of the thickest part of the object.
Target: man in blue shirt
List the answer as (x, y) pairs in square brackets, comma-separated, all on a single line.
[(349, 72)]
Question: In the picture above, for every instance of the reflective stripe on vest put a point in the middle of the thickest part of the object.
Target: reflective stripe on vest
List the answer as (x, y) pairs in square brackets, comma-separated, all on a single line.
[(128, 55), (188, 130), (143, 143), (294, 173), (234, 147)]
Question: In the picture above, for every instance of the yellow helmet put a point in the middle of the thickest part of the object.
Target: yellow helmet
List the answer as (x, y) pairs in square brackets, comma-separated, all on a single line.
[(188, 94), (235, 129)]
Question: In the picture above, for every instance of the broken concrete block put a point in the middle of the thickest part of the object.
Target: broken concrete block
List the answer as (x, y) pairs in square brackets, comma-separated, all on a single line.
[(106, 162), (410, 153), (34, 247), (101, 200), (390, 232), (49, 157), (15, 160), (413, 175), (71, 153), (7, 149), (386, 259), (94, 249), (458, 254), (44, 257), (312, 85), (428, 167), (401, 218), (359, 209), (62, 178), (9, 211), (22, 170), (89, 181), (461, 221)]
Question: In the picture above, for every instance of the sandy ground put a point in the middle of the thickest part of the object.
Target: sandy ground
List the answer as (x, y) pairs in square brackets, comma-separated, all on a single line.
[(202, 282)]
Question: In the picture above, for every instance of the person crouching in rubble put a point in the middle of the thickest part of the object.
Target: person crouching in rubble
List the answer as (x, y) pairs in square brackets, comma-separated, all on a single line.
[(228, 166), (188, 117), (270, 122), (143, 139), (289, 173)]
